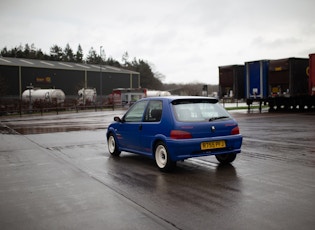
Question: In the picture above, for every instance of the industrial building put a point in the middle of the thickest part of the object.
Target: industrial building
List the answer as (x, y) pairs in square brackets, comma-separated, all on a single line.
[(16, 75)]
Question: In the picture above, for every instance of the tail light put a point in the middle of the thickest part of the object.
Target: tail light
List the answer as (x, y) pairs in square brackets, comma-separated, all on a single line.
[(179, 134), (235, 130)]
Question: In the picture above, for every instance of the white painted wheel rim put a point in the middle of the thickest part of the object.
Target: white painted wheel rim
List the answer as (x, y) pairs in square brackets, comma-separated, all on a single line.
[(111, 144), (161, 156)]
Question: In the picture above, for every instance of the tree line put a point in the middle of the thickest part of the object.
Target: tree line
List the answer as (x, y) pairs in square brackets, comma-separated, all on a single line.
[(57, 53), (149, 78)]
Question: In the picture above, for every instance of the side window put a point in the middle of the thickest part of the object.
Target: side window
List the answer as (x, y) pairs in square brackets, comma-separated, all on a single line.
[(154, 111), (135, 113)]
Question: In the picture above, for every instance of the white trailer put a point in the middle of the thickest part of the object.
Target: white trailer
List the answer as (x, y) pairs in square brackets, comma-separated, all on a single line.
[(157, 93), (87, 96)]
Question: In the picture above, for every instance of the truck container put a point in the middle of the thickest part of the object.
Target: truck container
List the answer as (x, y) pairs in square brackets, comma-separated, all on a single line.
[(231, 81), (288, 77), (311, 74), (256, 85), (289, 84), (284, 85)]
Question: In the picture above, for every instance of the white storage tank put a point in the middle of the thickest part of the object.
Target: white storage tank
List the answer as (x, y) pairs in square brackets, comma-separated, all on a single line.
[(45, 95)]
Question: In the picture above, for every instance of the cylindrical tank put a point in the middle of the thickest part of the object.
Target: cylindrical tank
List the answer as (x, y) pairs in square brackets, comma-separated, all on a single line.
[(46, 95)]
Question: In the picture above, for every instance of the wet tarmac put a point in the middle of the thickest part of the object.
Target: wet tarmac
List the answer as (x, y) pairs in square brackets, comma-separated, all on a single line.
[(36, 124), (52, 177)]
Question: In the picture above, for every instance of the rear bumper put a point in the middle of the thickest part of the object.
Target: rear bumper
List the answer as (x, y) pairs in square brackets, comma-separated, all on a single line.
[(188, 148)]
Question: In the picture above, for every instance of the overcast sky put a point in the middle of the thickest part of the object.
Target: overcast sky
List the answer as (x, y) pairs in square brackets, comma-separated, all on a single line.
[(185, 40)]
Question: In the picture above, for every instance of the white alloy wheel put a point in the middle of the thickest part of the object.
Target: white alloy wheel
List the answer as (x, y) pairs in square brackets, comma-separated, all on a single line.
[(112, 146), (161, 156)]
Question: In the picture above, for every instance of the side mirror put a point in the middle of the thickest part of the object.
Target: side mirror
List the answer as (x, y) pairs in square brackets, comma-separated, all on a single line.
[(117, 119)]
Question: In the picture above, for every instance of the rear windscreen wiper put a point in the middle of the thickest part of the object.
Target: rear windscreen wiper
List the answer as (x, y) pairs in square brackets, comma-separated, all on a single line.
[(217, 118)]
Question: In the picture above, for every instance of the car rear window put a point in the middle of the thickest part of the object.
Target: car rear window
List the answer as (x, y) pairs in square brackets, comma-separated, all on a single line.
[(197, 110)]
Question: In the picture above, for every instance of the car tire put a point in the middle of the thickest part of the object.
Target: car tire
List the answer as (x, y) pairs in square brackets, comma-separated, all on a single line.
[(112, 145), (226, 158), (162, 158)]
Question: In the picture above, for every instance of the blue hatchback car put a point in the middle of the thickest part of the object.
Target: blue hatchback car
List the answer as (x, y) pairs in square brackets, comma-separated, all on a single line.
[(169, 129)]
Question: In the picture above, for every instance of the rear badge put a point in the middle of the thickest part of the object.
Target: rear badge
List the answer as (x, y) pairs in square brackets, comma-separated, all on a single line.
[(212, 129)]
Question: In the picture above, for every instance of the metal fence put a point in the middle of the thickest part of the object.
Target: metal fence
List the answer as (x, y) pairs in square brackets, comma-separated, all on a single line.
[(16, 106)]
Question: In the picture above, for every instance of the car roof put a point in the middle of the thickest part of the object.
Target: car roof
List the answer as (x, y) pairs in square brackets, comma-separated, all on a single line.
[(172, 98)]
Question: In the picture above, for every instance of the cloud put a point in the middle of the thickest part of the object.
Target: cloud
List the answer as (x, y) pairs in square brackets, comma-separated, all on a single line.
[(185, 40)]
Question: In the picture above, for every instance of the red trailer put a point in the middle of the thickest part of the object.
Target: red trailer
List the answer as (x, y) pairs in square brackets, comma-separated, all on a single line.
[(126, 96)]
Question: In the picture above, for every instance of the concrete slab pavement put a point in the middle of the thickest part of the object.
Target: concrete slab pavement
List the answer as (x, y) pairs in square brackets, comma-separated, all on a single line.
[(38, 190)]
